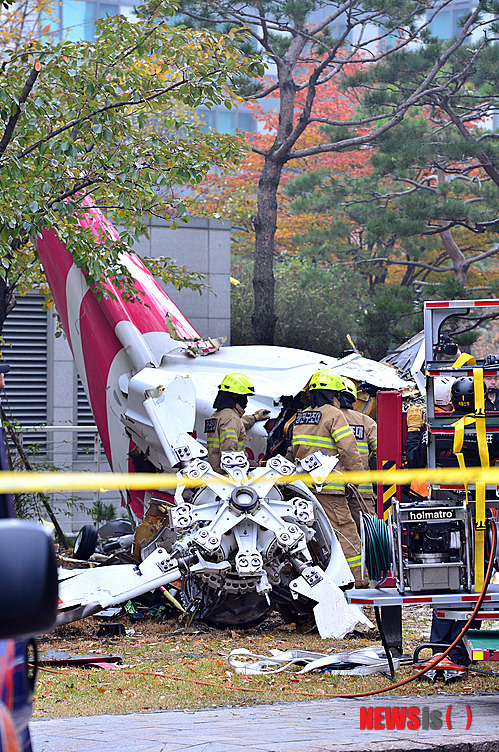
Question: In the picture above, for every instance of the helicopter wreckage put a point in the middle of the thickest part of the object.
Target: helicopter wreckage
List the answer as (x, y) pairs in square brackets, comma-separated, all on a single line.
[(241, 543)]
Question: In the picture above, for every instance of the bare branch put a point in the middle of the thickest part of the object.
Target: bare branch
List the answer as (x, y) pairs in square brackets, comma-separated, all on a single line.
[(489, 167), (420, 92), (12, 121)]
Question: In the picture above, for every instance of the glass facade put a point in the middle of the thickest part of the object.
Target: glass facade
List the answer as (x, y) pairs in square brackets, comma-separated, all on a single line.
[(77, 21), (76, 18), (227, 121), (446, 23)]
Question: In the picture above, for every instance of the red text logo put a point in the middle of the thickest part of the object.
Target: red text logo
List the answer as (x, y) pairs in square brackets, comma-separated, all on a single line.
[(408, 719)]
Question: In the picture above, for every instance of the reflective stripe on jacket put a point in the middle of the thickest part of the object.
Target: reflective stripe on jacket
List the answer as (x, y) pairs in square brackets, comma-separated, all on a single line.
[(365, 431), (226, 432), (325, 428)]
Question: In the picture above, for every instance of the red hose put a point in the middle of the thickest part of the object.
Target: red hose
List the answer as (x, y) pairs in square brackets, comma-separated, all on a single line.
[(446, 652)]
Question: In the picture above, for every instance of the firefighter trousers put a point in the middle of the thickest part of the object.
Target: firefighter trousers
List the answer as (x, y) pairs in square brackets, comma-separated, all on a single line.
[(338, 513), (367, 506)]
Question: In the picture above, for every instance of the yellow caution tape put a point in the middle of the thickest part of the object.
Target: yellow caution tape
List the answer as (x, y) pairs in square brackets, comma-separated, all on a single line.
[(52, 482)]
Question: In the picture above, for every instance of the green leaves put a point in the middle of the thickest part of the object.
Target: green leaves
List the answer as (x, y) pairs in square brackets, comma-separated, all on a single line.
[(113, 120)]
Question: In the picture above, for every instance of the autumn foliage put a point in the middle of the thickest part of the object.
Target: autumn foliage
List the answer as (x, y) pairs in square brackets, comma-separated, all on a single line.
[(233, 194)]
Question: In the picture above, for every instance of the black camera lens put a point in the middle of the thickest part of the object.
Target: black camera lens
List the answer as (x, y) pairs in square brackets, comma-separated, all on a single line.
[(445, 348)]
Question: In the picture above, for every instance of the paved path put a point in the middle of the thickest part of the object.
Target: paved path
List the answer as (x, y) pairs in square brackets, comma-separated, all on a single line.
[(318, 726)]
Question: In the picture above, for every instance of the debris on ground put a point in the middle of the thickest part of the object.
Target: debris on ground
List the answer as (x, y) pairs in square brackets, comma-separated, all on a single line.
[(171, 665), (63, 658), (351, 663)]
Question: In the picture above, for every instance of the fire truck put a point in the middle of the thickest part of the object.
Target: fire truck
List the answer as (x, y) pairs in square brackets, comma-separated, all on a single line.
[(439, 544)]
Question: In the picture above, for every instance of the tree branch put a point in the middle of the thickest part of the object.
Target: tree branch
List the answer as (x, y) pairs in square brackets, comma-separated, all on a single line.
[(489, 167), (12, 121), (417, 264), (113, 106), (420, 92)]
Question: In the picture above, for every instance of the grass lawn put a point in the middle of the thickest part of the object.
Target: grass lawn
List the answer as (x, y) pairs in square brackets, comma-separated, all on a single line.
[(166, 665)]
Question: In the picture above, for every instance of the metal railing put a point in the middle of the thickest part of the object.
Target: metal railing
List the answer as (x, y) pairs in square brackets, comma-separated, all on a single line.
[(74, 455)]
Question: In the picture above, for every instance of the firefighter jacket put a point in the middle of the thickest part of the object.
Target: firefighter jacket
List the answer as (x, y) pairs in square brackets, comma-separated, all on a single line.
[(226, 432), (365, 431), (325, 428)]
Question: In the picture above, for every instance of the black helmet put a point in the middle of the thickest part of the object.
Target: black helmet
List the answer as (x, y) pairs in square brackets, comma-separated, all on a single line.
[(463, 394)]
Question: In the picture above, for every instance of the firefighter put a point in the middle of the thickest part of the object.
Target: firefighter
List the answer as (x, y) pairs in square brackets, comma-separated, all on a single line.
[(322, 426), (463, 396), (365, 431), (416, 442), (226, 429), (491, 384), (442, 394), (460, 403)]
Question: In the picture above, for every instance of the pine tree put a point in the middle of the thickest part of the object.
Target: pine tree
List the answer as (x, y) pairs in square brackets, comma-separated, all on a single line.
[(331, 39)]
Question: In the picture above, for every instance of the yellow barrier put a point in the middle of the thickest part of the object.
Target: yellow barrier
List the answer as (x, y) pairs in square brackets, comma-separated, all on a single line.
[(52, 482)]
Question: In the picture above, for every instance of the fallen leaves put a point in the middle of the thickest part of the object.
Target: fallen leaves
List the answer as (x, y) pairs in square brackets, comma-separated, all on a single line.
[(168, 677)]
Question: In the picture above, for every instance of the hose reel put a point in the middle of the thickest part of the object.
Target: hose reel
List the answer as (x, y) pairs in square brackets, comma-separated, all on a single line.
[(376, 547), (427, 547)]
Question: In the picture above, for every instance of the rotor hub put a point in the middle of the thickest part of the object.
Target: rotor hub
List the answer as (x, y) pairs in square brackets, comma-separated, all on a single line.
[(244, 499)]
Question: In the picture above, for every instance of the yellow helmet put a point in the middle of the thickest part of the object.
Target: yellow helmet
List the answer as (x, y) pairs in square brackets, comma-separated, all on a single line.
[(349, 386), (237, 383), (326, 379)]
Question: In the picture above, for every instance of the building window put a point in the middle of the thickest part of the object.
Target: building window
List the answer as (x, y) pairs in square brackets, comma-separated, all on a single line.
[(76, 21), (76, 18), (338, 28), (79, 17), (446, 23), (227, 121)]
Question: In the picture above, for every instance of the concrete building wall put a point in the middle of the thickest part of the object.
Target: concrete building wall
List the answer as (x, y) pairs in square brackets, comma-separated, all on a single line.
[(203, 246)]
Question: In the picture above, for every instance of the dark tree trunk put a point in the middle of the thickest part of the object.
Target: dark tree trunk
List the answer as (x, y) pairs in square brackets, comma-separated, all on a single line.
[(455, 254), (7, 302), (263, 317)]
